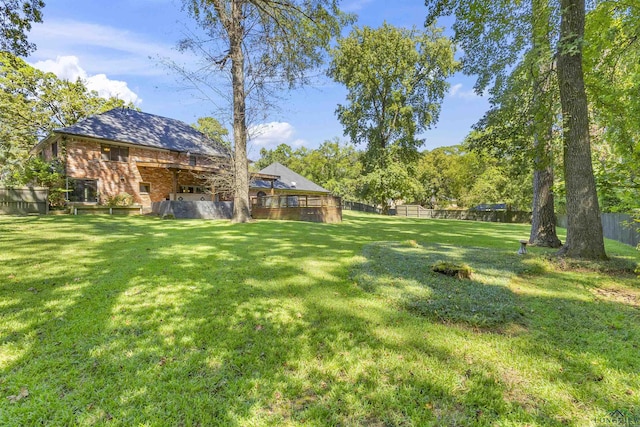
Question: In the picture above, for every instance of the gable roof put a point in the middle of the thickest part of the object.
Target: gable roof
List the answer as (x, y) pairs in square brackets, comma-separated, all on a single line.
[(138, 128), (289, 180)]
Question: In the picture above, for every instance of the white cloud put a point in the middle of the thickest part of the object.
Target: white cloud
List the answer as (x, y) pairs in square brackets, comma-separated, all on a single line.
[(68, 68), (270, 135), (457, 92), (65, 67), (107, 88)]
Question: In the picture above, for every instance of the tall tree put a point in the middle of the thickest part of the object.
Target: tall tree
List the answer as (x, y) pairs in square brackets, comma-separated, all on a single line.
[(543, 216), (508, 46), (496, 35), (16, 17), (266, 44), (584, 228), (395, 80)]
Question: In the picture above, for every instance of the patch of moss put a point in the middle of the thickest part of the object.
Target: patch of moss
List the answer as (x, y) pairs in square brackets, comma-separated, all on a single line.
[(460, 271)]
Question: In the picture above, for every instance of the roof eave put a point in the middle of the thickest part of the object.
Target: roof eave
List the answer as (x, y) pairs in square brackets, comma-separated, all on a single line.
[(47, 140), (133, 144)]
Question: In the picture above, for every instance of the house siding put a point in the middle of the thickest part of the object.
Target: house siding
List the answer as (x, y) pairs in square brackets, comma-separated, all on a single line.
[(84, 161)]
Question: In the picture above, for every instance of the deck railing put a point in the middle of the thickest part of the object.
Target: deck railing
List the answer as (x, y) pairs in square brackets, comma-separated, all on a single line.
[(295, 201), (297, 208)]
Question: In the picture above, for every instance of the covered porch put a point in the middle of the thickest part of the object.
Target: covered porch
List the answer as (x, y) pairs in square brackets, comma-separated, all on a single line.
[(178, 182)]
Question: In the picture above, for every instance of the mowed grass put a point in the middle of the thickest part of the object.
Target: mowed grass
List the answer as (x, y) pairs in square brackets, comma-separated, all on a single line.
[(141, 321)]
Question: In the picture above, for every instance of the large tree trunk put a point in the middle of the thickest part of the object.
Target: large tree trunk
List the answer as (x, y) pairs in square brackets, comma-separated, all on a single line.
[(241, 169), (584, 229), (543, 217)]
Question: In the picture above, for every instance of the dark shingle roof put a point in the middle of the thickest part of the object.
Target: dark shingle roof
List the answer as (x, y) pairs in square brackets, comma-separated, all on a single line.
[(134, 127), (288, 180)]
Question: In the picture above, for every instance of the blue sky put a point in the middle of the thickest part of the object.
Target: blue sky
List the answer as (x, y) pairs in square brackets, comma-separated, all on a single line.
[(117, 47)]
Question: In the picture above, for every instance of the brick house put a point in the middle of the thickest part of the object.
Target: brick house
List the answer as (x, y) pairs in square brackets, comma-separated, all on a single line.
[(153, 158)]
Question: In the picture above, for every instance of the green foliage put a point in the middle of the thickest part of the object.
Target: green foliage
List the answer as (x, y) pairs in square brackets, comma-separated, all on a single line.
[(16, 17), (395, 80), (493, 34), (121, 199), (32, 104), (283, 154), (38, 172), (464, 178), (333, 165), (391, 181), (612, 60), (213, 129)]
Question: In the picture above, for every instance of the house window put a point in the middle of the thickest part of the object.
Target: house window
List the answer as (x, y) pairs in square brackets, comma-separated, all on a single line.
[(145, 187), (192, 160), (115, 153), (54, 149), (83, 190)]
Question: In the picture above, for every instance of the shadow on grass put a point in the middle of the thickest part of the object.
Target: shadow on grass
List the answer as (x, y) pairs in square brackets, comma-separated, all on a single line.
[(142, 321), (402, 273)]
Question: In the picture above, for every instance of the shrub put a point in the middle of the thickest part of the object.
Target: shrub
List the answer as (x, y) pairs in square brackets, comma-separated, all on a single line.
[(122, 199)]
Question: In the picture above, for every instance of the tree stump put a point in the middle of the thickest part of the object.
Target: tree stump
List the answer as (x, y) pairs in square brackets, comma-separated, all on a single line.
[(460, 271)]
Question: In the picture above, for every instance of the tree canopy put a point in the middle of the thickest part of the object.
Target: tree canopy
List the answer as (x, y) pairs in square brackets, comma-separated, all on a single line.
[(16, 17), (395, 80)]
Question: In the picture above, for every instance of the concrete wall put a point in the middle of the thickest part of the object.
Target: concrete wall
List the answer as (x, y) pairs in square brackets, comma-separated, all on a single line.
[(193, 210)]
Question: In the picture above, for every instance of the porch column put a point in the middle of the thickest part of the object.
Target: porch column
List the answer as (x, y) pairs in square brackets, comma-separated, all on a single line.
[(175, 182)]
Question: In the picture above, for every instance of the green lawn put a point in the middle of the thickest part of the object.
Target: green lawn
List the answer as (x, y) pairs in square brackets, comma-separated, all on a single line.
[(142, 321)]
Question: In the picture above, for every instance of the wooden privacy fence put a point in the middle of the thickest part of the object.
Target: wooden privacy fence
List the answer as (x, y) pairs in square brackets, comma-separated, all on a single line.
[(297, 208), (417, 211), (360, 207), (24, 200), (615, 226)]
